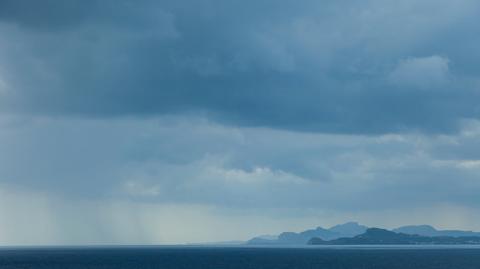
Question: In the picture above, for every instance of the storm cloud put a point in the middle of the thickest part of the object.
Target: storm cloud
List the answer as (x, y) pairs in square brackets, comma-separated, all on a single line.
[(361, 67), (146, 116)]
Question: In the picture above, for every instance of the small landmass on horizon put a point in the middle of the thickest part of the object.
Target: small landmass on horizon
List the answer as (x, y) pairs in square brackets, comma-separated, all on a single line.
[(353, 233)]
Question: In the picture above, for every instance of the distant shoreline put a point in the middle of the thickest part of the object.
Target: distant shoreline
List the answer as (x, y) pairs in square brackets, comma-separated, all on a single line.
[(312, 247)]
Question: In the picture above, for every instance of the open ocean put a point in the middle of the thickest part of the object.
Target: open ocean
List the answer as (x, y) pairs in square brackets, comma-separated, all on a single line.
[(239, 258)]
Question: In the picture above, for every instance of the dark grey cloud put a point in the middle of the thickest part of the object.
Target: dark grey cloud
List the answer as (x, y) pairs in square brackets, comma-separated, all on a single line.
[(361, 67), (326, 67), (46, 15), (133, 121)]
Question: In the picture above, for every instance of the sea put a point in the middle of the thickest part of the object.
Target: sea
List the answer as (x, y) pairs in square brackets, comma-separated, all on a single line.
[(221, 257)]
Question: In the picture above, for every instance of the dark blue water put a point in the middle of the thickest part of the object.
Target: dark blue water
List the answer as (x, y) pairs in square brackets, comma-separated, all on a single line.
[(238, 258)]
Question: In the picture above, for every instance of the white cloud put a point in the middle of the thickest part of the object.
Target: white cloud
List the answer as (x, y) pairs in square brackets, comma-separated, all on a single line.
[(136, 188), (425, 72), (469, 164)]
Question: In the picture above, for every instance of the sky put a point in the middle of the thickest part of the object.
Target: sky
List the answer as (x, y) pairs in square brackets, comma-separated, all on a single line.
[(166, 122)]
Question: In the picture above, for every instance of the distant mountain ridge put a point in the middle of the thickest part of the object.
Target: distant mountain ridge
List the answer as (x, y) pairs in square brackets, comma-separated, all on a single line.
[(428, 230), (351, 230), (377, 236), (348, 229)]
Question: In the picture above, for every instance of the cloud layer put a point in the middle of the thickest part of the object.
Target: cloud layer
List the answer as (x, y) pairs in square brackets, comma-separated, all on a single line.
[(146, 116), (360, 67), (200, 162), (136, 181)]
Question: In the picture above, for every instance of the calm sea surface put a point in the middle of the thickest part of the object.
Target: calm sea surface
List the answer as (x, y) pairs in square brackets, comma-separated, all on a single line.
[(239, 258)]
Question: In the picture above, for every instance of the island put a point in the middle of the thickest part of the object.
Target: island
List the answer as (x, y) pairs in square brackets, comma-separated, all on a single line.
[(377, 236)]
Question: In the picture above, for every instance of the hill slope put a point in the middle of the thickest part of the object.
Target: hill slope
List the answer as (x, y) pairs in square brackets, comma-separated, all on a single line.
[(376, 236), (348, 229), (427, 230)]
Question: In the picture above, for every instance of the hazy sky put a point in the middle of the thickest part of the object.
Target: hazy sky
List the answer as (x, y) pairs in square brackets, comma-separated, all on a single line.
[(191, 121)]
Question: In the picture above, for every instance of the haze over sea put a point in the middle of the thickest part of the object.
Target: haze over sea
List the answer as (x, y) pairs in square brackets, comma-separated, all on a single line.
[(241, 257)]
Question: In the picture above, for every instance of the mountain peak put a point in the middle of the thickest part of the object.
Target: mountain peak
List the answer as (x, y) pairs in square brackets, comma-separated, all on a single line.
[(349, 229), (417, 229), (427, 230), (378, 232), (377, 236)]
